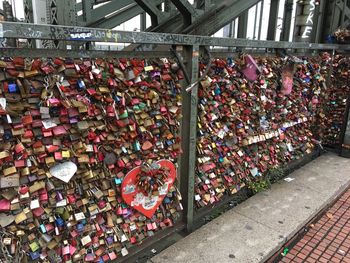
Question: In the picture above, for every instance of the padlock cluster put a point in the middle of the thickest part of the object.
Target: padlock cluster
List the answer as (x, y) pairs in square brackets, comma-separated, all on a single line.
[(337, 96), (253, 116), (102, 117)]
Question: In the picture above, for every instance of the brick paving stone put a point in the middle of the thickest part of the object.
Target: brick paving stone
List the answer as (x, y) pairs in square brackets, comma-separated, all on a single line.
[(311, 260), (335, 260), (302, 255), (314, 256), (323, 260), (328, 241)]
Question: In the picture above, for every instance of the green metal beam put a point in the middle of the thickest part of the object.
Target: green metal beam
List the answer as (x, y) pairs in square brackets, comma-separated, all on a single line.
[(188, 12), (220, 15), (84, 34), (103, 11), (121, 16), (189, 135), (87, 8), (52, 53), (271, 31), (156, 15), (317, 30), (242, 25), (287, 20), (118, 18)]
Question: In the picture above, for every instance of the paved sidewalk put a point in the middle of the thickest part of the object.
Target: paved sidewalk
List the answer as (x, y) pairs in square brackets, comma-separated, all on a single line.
[(328, 239), (257, 228)]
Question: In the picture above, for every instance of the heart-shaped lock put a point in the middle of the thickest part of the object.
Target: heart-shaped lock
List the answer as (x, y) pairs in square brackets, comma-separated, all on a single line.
[(135, 196)]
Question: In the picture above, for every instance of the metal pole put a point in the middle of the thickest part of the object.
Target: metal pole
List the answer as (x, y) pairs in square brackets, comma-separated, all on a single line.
[(287, 20), (143, 25), (8, 16), (317, 23), (261, 17), (189, 135), (271, 32), (242, 24), (255, 19), (320, 23)]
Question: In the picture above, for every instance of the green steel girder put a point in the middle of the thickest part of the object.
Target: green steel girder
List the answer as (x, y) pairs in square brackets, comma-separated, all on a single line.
[(123, 15), (84, 34), (101, 12), (222, 13), (217, 14), (345, 18), (188, 12), (271, 30), (156, 15), (118, 18), (242, 25), (287, 20)]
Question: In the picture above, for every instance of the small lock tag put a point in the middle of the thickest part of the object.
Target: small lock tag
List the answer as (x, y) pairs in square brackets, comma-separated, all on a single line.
[(79, 216), (7, 241), (124, 252), (85, 240), (34, 246), (34, 204), (97, 193), (43, 228)]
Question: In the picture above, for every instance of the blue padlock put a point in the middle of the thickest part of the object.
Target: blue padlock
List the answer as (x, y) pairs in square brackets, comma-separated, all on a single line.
[(7, 135), (167, 200), (137, 146), (59, 222), (43, 228), (169, 142), (117, 181), (81, 84), (12, 88), (217, 90), (34, 255), (230, 62), (80, 227)]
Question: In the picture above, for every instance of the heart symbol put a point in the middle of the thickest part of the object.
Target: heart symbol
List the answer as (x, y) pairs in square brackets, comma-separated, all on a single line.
[(136, 197), (64, 171)]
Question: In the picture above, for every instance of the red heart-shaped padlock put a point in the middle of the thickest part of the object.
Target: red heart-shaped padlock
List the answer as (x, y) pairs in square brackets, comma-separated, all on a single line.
[(135, 197)]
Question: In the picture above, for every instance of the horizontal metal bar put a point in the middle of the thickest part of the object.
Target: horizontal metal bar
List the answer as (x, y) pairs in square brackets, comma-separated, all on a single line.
[(255, 52), (142, 249), (54, 32), (38, 53)]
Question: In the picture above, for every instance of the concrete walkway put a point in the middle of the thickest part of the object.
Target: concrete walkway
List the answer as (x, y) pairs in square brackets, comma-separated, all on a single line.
[(254, 230)]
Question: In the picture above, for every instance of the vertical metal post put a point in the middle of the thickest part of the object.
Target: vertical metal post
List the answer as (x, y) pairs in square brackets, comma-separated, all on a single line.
[(255, 20), (207, 5), (87, 6), (287, 20), (189, 135), (243, 24), (260, 18), (320, 11), (8, 12), (344, 128), (317, 23), (143, 25), (343, 13), (28, 18), (271, 31)]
